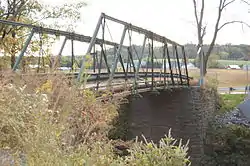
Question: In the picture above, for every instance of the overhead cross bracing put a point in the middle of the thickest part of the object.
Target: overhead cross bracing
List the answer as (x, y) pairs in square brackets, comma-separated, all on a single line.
[(169, 74)]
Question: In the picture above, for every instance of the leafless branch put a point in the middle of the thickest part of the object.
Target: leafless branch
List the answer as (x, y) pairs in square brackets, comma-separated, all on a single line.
[(199, 20), (195, 12), (225, 3), (202, 12), (246, 2), (203, 32), (231, 22), (201, 29)]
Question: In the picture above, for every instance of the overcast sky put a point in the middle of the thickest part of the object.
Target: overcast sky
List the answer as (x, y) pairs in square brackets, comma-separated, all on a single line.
[(171, 18)]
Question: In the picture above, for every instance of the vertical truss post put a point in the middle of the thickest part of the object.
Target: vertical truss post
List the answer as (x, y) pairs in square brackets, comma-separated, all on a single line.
[(105, 58), (139, 60), (121, 61), (60, 53), (99, 71), (94, 59), (152, 62), (185, 62), (164, 63), (102, 44), (175, 63), (128, 64), (178, 63), (91, 44), (170, 66), (131, 59), (114, 65), (149, 52), (94, 62), (40, 51), (97, 61), (23, 50), (122, 64), (134, 88)]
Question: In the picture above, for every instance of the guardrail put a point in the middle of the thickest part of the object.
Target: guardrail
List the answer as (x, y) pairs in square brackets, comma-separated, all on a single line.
[(118, 75)]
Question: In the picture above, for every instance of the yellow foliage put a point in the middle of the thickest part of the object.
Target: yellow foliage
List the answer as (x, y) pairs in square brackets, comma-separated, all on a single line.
[(88, 61), (46, 87)]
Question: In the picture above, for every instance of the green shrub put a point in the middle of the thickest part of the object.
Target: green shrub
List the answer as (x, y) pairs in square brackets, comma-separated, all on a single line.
[(167, 152), (229, 101), (230, 145)]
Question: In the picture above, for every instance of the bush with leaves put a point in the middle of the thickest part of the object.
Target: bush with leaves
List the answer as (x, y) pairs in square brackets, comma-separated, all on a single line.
[(230, 145), (167, 152)]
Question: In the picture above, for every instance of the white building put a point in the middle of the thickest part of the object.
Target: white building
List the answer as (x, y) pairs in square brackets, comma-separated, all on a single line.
[(235, 67)]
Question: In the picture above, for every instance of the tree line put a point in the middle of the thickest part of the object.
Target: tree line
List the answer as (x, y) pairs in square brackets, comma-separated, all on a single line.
[(220, 52)]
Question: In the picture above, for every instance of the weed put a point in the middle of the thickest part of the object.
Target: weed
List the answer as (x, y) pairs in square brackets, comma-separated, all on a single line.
[(49, 121), (167, 152)]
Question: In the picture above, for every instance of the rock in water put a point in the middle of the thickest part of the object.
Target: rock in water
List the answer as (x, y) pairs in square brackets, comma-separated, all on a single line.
[(233, 117)]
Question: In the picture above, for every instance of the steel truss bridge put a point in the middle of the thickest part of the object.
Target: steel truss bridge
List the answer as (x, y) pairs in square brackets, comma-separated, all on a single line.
[(173, 71)]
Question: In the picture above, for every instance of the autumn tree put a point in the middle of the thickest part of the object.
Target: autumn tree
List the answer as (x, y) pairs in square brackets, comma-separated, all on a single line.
[(36, 13), (201, 27)]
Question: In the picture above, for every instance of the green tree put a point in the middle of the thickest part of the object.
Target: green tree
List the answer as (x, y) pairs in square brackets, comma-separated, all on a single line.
[(36, 13), (213, 61)]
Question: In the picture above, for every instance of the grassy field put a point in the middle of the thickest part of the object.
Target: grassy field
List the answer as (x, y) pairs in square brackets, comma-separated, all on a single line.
[(230, 101), (228, 62), (222, 62), (224, 77)]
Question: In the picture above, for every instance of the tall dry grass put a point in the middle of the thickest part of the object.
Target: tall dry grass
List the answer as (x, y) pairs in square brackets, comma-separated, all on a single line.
[(224, 77), (43, 117), (51, 121)]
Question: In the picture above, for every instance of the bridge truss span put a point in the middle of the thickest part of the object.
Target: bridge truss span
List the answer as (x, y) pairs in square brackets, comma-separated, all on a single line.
[(173, 58), (130, 66)]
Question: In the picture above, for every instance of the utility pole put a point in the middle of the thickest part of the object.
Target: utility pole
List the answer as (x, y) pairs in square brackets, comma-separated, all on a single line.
[(200, 54), (247, 78), (247, 73)]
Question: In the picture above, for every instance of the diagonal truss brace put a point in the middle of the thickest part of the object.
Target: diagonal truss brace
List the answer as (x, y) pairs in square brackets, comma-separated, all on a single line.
[(147, 33), (23, 50)]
